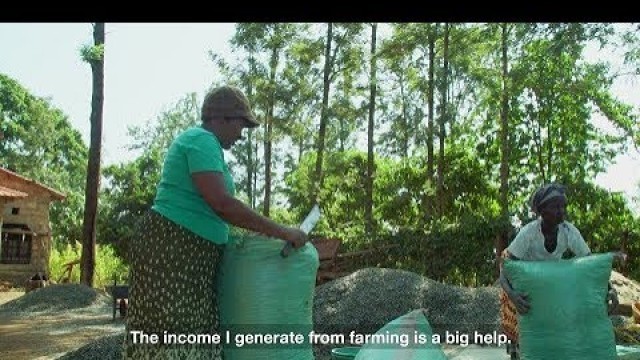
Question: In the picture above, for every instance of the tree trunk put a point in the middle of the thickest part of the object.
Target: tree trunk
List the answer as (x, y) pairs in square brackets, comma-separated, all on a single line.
[(504, 128), (368, 211), (432, 54), (537, 139), (428, 196), (249, 148), (328, 62), (404, 137), (88, 258), (501, 242), (273, 65), (255, 178), (443, 119)]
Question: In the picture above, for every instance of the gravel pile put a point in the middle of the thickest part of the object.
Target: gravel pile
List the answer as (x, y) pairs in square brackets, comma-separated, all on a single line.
[(52, 300), (365, 300), (105, 348), (370, 298), (628, 289)]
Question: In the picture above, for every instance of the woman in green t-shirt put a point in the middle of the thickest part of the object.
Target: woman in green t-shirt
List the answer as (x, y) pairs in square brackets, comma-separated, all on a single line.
[(175, 256)]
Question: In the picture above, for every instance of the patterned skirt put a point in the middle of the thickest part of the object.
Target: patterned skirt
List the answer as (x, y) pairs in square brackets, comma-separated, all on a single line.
[(172, 293), (508, 313)]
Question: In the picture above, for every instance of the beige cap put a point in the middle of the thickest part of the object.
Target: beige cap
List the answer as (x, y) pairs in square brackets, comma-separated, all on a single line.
[(228, 102)]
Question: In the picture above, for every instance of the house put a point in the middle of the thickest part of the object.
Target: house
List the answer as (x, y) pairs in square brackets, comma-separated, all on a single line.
[(25, 237)]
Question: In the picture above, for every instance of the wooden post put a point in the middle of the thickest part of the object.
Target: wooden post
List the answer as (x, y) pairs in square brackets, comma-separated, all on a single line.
[(1, 211), (623, 248)]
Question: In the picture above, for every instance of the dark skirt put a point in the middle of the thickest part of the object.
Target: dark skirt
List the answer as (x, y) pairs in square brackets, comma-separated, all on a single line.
[(172, 291)]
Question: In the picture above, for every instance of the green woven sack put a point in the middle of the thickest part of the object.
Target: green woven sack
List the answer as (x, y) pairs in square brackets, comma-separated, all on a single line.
[(628, 352), (568, 316), (263, 294), (391, 344)]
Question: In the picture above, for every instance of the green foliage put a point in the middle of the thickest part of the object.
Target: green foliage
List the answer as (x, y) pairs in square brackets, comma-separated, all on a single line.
[(158, 134), (400, 189), (57, 160), (605, 221), (130, 194), (91, 53), (453, 251), (61, 254), (108, 264)]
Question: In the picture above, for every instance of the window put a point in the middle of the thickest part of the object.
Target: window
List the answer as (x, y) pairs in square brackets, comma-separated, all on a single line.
[(15, 244), (15, 211)]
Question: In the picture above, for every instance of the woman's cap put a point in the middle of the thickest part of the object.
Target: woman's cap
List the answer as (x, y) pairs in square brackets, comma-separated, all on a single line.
[(228, 102), (546, 193)]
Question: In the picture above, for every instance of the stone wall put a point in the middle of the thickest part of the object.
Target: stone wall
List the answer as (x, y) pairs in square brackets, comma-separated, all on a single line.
[(32, 211)]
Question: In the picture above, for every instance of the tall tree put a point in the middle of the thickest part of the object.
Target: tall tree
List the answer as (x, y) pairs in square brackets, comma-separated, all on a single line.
[(559, 95), (432, 36), (504, 137), (267, 44), (320, 147), (249, 146), (94, 55), (411, 55), (444, 117), (368, 210), (504, 123), (402, 105), (248, 78), (302, 77)]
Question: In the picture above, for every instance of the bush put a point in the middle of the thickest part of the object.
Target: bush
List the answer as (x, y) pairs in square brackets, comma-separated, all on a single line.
[(108, 265)]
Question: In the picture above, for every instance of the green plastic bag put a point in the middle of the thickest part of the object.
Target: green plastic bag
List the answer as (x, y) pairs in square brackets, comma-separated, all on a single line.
[(262, 294), (568, 316), (628, 352), (390, 344)]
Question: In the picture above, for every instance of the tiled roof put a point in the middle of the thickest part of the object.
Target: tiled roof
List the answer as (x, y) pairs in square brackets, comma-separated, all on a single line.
[(56, 194), (11, 193)]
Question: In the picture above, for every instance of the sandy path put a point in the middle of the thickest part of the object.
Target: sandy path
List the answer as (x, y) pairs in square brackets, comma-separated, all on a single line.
[(48, 337), (6, 296)]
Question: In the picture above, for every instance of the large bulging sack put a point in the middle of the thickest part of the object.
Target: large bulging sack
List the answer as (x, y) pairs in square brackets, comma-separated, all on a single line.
[(568, 316), (261, 293), (407, 337)]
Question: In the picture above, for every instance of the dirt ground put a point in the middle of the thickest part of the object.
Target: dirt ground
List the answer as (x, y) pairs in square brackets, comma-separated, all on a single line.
[(49, 337), (6, 296)]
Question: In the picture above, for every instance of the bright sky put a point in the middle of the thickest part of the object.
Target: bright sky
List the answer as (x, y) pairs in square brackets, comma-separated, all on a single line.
[(149, 67)]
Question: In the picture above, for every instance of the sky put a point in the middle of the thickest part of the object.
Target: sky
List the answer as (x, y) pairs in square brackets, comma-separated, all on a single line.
[(149, 67)]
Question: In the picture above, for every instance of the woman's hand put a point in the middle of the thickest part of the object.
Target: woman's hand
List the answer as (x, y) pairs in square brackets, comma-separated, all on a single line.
[(296, 237), (612, 300), (520, 300), (620, 257)]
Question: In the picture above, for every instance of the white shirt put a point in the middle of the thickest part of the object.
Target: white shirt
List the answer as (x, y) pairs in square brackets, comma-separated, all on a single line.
[(529, 243)]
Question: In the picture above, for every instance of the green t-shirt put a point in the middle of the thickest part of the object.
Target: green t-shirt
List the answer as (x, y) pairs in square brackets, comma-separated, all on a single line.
[(177, 198)]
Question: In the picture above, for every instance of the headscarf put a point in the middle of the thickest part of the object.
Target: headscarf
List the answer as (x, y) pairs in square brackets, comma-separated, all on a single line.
[(546, 193)]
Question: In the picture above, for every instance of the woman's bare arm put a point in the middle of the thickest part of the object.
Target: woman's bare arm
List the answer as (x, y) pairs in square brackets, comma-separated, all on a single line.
[(211, 187)]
